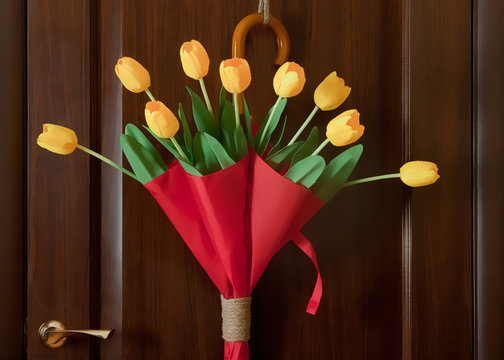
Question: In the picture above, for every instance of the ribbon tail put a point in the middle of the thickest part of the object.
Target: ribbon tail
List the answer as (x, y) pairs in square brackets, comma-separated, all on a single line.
[(306, 247)]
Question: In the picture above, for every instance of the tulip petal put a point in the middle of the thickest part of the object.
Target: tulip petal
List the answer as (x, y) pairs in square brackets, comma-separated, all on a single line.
[(289, 80), (419, 173), (57, 139), (331, 92), (235, 75), (161, 120), (345, 128), (132, 74), (194, 59)]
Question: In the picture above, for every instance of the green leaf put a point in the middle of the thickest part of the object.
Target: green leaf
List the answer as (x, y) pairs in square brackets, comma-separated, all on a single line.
[(305, 172), (248, 123), (141, 159), (283, 157), (202, 117), (308, 147), (189, 168), (276, 147), (233, 138), (185, 128), (167, 143), (204, 163), (212, 145), (264, 133), (178, 138), (209, 155), (222, 98), (138, 135), (336, 173)]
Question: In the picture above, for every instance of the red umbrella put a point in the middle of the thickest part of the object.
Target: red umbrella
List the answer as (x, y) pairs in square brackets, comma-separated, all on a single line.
[(234, 221)]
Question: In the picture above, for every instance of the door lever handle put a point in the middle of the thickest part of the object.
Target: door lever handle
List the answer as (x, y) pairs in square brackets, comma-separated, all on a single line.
[(54, 334)]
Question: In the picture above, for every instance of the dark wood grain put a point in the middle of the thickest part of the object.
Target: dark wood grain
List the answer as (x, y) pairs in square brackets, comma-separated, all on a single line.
[(440, 131), (108, 124), (489, 193), (12, 179), (59, 186)]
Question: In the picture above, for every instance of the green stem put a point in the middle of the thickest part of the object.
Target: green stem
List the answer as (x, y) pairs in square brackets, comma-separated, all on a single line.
[(205, 95), (372, 178), (108, 161), (269, 119), (307, 121), (179, 149), (237, 111), (326, 141), (149, 94)]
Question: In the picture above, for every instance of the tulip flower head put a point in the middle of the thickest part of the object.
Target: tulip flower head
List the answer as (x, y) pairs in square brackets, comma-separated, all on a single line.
[(235, 75), (194, 58), (132, 74), (331, 92), (289, 80), (161, 120), (419, 173), (345, 128), (58, 139)]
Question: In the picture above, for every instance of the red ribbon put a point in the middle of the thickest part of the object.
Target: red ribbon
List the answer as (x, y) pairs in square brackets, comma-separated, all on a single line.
[(305, 245)]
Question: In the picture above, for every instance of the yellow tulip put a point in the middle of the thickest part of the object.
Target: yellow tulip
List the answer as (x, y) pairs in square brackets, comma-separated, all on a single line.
[(289, 80), (235, 75), (132, 74), (419, 173), (58, 139), (345, 128), (161, 120), (194, 58), (331, 92)]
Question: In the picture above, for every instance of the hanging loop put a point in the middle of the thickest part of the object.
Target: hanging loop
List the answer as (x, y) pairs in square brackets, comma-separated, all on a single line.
[(240, 38)]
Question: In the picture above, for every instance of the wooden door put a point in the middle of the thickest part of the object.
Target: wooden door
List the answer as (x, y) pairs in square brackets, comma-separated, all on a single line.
[(397, 265)]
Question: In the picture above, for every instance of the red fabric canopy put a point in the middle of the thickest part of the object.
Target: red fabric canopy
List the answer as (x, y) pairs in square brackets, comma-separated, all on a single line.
[(234, 221)]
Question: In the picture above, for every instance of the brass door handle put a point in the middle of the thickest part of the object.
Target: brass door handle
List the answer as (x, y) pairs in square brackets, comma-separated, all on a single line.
[(54, 334)]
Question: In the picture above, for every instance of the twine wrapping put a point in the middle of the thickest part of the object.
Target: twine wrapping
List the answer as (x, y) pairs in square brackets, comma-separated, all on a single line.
[(236, 319)]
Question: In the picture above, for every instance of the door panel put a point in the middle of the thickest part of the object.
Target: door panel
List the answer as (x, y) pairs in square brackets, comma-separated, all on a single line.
[(440, 127), (59, 194), (396, 264), (12, 180)]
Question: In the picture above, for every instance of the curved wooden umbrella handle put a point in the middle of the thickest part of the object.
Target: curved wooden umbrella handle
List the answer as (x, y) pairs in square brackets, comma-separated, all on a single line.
[(240, 38)]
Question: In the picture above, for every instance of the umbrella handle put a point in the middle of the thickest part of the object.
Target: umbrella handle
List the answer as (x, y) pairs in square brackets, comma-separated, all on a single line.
[(240, 38)]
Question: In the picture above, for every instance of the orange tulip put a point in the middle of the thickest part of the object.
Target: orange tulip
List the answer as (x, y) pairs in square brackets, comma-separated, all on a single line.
[(345, 128), (289, 80), (58, 139), (161, 120), (331, 92), (419, 173), (235, 75), (132, 74), (194, 58)]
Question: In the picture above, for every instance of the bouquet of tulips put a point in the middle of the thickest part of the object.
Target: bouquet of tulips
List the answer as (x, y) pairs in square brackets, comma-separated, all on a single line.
[(236, 196)]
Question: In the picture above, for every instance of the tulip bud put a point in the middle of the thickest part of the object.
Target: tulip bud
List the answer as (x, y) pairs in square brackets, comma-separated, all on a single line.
[(194, 58), (331, 92), (419, 173), (235, 75), (161, 120), (289, 80), (58, 139), (345, 128), (132, 74)]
